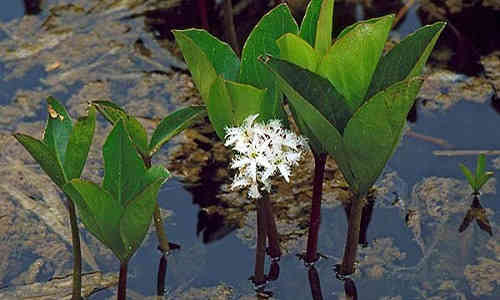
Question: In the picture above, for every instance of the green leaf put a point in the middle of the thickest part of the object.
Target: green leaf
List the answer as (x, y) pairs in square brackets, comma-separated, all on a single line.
[(173, 124), (469, 176), (262, 40), (311, 121), (406, 59), (44, 157), (231, 102), (480, 166), (112, 112), (138, 134), (310, 22), (483, 179), (350, 63), (79, 145), (219, 53), (246, 100), (99, 212), (58, 128), (220, 107), (374, 131), (207, 57), (324, 27), (138, 212), (297, 51), (122, 165), (315, 89)]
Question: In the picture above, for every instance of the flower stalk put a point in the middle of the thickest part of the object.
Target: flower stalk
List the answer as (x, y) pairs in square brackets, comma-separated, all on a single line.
[(315, 216)]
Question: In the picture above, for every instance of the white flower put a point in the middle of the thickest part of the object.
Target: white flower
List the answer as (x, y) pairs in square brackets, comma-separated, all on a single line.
[(262, 151)]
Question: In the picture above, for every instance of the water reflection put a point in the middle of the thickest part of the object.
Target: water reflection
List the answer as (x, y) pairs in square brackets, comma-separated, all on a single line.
[(32, 7), (213, 227), (478, 213)]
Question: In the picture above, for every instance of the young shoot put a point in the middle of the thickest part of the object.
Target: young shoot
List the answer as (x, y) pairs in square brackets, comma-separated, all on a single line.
[(480, 177)]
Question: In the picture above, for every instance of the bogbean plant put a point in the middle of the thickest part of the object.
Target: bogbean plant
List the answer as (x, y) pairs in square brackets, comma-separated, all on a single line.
[(244, 105), (476, 181), (119, 212), (347, 98), (480, 176), (62, 154)]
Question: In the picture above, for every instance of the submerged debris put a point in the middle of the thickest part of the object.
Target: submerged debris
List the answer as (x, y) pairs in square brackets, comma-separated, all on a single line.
[(60, 287)]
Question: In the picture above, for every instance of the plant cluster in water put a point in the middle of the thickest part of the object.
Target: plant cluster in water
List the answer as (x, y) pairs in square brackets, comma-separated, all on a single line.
[(347, 98)]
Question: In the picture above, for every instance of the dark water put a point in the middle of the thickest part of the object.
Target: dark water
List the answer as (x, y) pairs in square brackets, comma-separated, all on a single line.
[(229, 260)]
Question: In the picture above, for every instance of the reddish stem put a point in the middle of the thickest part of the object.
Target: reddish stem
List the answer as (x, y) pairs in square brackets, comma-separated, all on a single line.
[(315, 217), (122, 282), (351, 246), (271, 230), (260, 253)]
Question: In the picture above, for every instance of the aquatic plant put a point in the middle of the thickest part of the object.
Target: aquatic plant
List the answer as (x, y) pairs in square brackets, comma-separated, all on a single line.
[(169, 127), (62, 154), (480, 176), (348, 99), (233, 90), (476, 182), (119, 212)]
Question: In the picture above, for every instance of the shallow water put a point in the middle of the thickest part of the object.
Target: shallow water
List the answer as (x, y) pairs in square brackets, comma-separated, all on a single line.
[(93, 51)]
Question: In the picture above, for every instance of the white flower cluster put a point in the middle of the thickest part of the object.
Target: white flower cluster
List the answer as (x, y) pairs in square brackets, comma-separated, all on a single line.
[(262, 150)]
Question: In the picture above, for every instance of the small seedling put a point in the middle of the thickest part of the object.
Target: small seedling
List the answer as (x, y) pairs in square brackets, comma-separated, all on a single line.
[(480, 177), (62, 154)]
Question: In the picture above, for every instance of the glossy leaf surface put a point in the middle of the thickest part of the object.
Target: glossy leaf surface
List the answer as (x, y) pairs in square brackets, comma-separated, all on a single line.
[(100, 212), (138, 212), (310, 21), (245, 99), (297, 51), (44, 156), (219, 53), (119, 213), (262, 40), (112, 112), (373, 132), (173, 124), (220, 107), (207, 57), (351, 61), (79, 145), (122, 165), (406, 59), (323, 38), (370, 135), (58, 129)]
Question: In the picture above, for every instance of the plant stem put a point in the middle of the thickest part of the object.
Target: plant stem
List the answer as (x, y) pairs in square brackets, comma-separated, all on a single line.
[(77, 254), (229, 25), (122, 282), (260, 253), (314, 283), (352, 241), (315, 216), (160, 230), (271, 230), (157, 219)]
